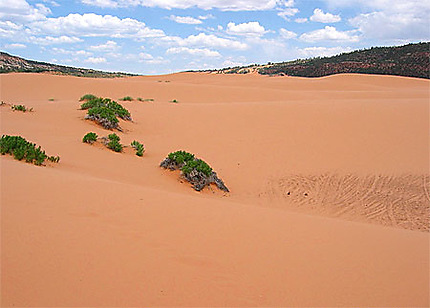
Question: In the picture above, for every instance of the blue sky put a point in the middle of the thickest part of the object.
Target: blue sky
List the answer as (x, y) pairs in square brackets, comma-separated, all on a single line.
[(163, 36)]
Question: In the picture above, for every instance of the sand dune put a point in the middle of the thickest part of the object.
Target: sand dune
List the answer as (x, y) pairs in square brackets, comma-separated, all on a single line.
[(329, 202)]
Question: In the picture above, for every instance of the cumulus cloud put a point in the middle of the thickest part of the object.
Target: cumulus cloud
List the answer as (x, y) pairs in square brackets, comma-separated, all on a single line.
[(320, 16), (390, 20), (21, 11), (109, 46), (252, 28), (301, 20), (311, 52), (91, 24), (15, 46), (286, 34), (393, 26), (204, 40), (329, 34), (185, 20), (232, 5), (51, 40), (202, 52), (57, 50), (96, 60), (288, 12)]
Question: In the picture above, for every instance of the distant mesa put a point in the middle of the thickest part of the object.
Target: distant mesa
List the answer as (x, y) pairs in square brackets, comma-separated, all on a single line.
[(11, 64), (412, 60)]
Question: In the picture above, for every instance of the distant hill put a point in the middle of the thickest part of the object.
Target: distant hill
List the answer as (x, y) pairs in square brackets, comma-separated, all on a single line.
[(410, 60), (9, 64)]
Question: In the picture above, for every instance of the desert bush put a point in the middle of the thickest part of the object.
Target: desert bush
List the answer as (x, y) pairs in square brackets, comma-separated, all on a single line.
[(180, 157), (87, 97), (21, 149), (105, 112), (145, 99), (126, 98), (21, 108), (119, 110), (90, 138), (198, 165), (113, 143), (51, 99), (174, 101), (104, 116), (138, 147), (194, 170)]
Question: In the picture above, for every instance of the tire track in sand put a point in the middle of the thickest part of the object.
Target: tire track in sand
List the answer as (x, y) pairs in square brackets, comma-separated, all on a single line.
[(401, 201)]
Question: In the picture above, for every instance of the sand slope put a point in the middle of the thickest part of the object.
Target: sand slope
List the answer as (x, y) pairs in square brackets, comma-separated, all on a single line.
[(329, 202)]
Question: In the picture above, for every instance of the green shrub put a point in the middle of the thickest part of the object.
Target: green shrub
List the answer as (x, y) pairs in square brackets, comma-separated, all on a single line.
[(181, 157), (119, 110), (106, 111), (21, 108), (145, 100), (174, 101), (104, 116), (87, 97), (113, 143), (51, 99), (138, 147), (198, 165), (21, 149), (90, 138), (126, 98)]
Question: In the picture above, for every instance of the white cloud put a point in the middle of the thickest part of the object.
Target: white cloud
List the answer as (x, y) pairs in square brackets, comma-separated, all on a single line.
[(91, 24), (301, 20), (231, 63), (232, 5), (145, 56), (252, 28), (57, 50), (96, 60), (390, 20), (204, 40), (208, 16), (15, 46), (21, 11), (10, 29), (288, 12), (320, 16), (51, 40), (329, 34), (185, 20), (202, 52), (286, 34), (109, 46), (393, 26), (311, 52)]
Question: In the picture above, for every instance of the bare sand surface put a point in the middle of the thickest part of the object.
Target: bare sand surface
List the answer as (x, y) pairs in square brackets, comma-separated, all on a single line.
[(329, 202)]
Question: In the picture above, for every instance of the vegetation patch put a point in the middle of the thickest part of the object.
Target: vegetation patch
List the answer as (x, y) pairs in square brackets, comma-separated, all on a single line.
[(113, 143), (21, 149), (51, 99), (174, 101), (194, 170), (145, 99), (21, 108), (138, 147), (90, 138), (126, 98), (87, 97), (105, 111)]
